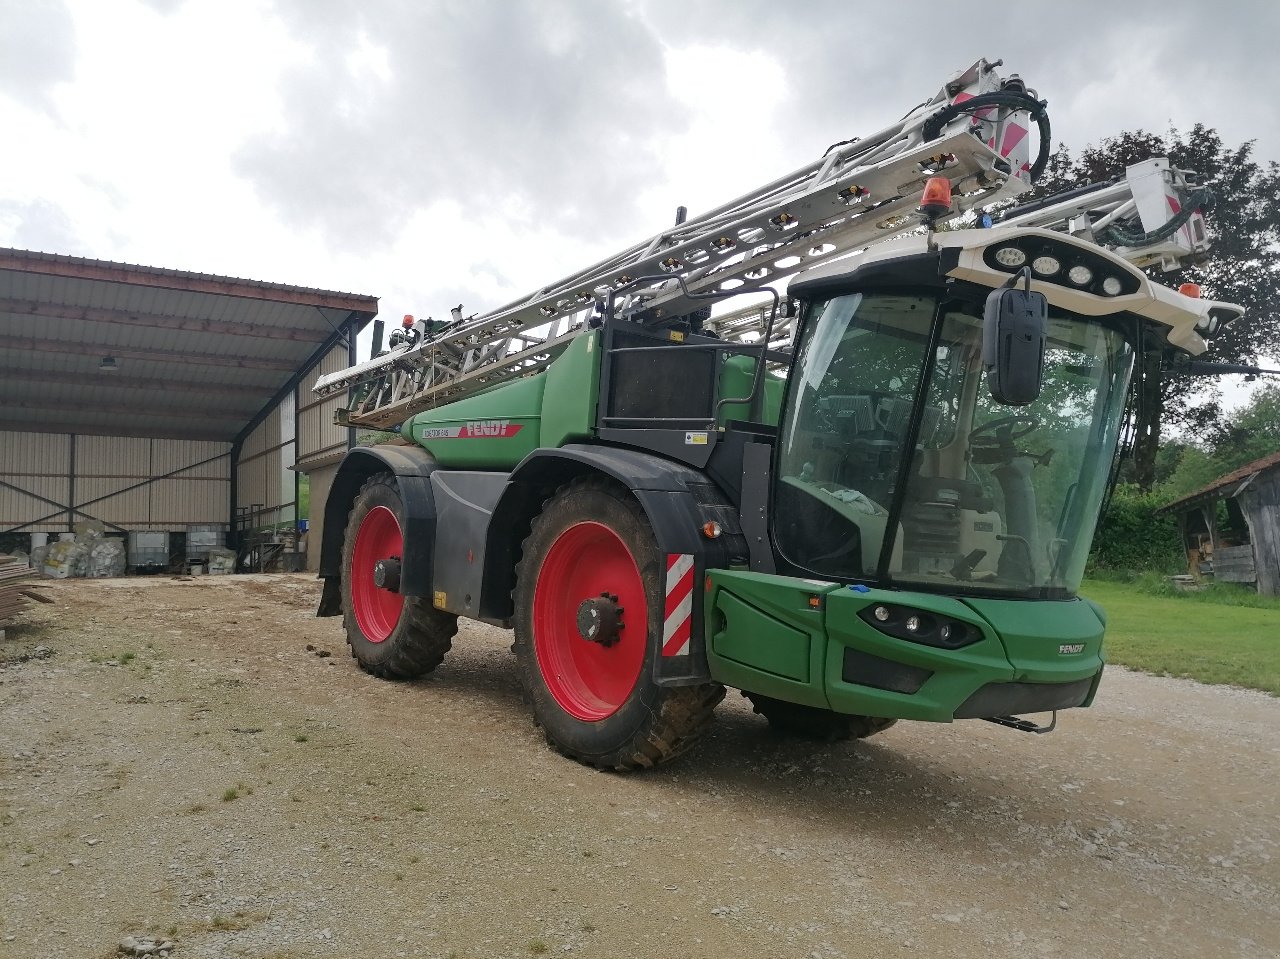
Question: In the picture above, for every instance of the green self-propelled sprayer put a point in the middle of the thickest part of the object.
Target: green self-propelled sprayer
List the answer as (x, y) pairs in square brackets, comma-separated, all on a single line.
[(869, 500)]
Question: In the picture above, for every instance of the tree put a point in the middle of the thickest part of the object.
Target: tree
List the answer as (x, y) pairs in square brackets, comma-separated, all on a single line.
[(1242, 267), (1252, 433)]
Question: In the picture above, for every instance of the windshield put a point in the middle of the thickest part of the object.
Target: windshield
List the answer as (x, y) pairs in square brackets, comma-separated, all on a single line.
[(991, 498)]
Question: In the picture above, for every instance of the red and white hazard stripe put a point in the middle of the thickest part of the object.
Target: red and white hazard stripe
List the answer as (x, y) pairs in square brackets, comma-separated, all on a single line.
[(678, 624)]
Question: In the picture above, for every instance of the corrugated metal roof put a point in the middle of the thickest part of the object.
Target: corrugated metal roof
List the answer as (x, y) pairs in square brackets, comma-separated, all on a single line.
[(195, 354)]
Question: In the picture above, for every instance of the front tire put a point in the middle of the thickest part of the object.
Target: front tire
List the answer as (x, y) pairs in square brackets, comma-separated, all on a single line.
[(391, 635), (589, 609), (810, 722)]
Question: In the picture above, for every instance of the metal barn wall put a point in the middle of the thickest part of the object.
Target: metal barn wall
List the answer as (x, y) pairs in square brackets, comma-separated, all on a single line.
[(127, 482), (319, 438), (198, 484), (265, 482), (33, 472)]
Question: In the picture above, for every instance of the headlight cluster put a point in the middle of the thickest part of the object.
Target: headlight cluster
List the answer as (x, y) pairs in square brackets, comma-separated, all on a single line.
[(918, 626), (1061, 264)]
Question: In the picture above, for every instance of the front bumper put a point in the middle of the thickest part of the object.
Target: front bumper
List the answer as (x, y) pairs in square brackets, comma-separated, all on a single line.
[(803, 641)]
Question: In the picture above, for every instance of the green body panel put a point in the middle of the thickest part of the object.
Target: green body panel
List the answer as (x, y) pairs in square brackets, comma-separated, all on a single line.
[(957, 673), (763, 631), (491, 430), (736, 375), (498, 428), (763, 635), (1033, 633), (573, 385)]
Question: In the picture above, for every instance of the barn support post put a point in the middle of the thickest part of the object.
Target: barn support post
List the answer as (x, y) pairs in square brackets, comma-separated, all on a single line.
[(1261, 508), (71, 484), (353, 359), (1193, 564), (1209, 511)]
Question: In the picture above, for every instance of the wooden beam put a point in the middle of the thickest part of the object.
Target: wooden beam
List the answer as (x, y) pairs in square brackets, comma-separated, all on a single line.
[(184, 357), (85, 314), (46, 264), (117, 381)]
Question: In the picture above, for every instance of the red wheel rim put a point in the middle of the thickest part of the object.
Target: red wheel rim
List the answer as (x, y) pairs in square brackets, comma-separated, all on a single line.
[(377, 610), (589, 681)]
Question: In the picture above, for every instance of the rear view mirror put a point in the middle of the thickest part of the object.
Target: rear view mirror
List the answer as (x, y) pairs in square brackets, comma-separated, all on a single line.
[(1013, 336)]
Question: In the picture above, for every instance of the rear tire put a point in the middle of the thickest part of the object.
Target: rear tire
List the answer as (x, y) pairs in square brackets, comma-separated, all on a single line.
[(390, 635), (591, 549), (810, 722)]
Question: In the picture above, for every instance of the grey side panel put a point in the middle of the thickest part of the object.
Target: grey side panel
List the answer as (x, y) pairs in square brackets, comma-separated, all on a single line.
[(756, 481), (464, 502)]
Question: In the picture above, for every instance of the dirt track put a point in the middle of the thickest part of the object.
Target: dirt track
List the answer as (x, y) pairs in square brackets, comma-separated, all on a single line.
[(230, 789)]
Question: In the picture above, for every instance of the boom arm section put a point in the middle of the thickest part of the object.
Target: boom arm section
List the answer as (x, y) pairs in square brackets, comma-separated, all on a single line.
[(975, 132), (1152, 216)]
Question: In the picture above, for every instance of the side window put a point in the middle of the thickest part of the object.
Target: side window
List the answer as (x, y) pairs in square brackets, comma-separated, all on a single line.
[(858, 369)]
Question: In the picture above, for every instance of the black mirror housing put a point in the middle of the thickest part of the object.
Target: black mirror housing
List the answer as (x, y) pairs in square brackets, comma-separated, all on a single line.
[(1013, 342)]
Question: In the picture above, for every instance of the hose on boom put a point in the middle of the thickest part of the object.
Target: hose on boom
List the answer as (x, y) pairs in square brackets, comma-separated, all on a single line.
[(1202, 200), (932, 128)]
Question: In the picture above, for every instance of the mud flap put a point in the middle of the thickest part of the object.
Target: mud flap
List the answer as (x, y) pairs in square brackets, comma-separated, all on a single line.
[(331, 597)]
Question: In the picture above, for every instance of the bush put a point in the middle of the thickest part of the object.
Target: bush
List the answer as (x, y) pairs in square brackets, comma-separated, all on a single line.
[(1133, 537)]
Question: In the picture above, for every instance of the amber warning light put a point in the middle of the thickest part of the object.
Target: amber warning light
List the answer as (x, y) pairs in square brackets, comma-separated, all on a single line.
[(937, 197)]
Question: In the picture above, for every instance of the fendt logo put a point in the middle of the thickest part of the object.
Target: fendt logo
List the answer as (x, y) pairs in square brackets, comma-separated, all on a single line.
[(478, 429), (1070, 649), (489, 428)]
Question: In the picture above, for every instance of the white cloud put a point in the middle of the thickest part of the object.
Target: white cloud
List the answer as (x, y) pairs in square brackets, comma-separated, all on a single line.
[(436, 152)]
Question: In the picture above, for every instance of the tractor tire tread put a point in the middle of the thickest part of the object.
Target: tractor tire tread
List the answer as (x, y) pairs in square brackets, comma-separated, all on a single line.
[(683, 712), (424, 634)]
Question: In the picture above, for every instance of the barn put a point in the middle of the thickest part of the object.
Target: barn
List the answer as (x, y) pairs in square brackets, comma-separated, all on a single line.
[(170, 409), (1231, 528)]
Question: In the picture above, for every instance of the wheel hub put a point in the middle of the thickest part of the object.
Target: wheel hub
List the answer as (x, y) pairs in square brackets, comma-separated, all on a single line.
[(600, 619), (386, 574)]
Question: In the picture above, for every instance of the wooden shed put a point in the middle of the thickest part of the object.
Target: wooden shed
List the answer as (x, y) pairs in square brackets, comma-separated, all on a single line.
[(1231, 528)]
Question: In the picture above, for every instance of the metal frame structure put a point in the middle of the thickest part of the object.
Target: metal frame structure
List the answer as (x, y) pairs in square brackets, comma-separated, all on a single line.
[(103, 349)]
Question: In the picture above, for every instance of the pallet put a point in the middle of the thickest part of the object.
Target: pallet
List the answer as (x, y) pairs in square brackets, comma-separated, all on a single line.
[(15, 588)]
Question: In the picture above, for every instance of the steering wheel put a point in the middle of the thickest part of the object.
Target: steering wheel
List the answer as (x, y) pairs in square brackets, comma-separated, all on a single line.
[(1004, 432)]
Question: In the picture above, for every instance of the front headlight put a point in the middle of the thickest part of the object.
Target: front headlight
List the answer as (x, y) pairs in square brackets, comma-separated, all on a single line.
[(920, 626)]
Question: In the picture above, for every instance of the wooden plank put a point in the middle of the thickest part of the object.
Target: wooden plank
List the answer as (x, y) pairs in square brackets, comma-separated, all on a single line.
[(14, 577), (1260, 503), (1234, 564)]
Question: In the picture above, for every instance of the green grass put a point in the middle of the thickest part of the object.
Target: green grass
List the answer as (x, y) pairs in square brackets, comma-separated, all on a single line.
[(1223, 634)]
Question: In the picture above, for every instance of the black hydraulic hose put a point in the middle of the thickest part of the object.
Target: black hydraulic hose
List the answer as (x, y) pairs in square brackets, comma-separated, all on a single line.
[(1038, 109), (1054, 199), (1201, 200)]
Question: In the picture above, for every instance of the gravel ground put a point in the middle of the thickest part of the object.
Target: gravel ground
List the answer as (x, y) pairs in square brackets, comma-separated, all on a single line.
[(177, 762)]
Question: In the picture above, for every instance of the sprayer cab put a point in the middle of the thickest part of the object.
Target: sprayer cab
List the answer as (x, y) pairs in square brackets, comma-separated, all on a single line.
[(955, 406)]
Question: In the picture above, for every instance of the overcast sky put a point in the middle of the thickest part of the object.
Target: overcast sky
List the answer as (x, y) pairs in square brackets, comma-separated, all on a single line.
[(432, 153)]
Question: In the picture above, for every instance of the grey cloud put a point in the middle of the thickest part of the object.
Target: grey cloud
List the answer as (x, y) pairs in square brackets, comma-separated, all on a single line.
[(549, 106), (37, 49), (42, 225), (557, 109), (854, 66)]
